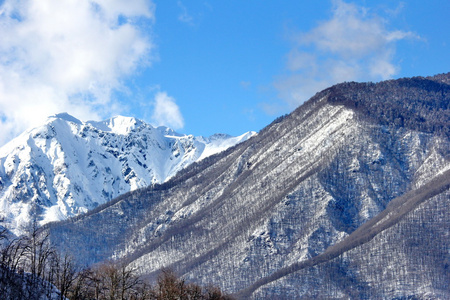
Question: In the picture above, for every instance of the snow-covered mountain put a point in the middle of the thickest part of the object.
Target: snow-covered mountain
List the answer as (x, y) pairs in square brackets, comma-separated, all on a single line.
[(347, 197), (67, 167)]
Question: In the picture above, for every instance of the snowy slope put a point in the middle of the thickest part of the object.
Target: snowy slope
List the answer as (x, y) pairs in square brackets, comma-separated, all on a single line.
[(66, 167), (290, 213)]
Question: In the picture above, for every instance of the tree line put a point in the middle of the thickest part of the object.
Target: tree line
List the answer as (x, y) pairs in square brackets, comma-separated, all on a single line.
[(31, 268)]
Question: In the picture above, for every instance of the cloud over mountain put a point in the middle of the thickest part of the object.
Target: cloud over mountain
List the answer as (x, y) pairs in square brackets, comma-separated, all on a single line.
[(166, 111), (354, 44), (67, 56)]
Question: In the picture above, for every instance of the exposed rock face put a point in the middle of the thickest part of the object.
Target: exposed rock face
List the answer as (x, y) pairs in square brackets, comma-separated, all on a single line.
[(67, 167), (341, 198)]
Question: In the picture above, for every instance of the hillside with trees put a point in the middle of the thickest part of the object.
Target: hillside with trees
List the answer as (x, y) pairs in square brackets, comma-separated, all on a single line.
[(341, 198), (30, 268)]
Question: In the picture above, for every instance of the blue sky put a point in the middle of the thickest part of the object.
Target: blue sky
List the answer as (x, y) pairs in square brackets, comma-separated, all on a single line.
[(203, 67)]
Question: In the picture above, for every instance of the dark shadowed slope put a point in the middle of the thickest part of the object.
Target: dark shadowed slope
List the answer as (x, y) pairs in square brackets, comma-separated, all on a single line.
[(307, 182)]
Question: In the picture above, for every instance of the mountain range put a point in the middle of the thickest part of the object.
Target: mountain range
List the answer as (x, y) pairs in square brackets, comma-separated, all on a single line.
[(66, 167), (348, 196)]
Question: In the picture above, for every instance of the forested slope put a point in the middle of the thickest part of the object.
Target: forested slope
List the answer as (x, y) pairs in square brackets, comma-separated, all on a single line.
[(303, 189)]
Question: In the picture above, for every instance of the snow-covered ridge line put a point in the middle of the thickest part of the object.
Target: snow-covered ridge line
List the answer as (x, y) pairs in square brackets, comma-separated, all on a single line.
[(66, 166)]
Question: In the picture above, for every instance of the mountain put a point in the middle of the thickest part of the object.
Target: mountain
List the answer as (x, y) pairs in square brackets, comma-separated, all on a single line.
[(66, 167), (346, 197)]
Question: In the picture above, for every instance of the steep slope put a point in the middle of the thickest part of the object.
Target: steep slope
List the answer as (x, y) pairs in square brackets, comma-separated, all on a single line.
[(306, 183), (67, 167), (402, 252)]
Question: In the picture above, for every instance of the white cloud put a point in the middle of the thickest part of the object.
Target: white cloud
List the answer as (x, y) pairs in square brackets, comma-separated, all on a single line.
[(67, 56), (184, 16), (353, 45), (166, 112)]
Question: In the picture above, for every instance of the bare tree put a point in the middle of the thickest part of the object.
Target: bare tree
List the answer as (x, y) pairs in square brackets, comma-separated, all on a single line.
[(65, 274)]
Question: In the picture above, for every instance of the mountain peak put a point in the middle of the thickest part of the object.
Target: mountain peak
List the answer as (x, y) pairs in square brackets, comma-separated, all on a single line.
[(166, 131), (118, 124), (66, 117), (66, 167)]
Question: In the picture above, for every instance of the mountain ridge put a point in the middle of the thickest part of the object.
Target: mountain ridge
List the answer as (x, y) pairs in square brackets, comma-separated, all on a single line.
[(306, 182), (67, 167)]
